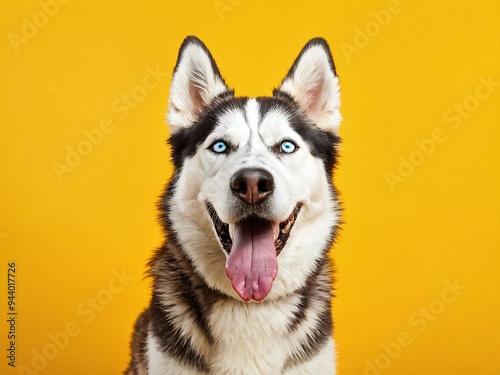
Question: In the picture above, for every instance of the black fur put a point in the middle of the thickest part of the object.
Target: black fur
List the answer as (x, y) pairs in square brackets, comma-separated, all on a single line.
[(322, 144), (185, 142), (170, 264), (313, 42), (194, 40)]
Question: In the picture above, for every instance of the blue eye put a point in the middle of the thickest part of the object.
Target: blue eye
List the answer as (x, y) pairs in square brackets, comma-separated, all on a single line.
[(288, 147), (219, 147)]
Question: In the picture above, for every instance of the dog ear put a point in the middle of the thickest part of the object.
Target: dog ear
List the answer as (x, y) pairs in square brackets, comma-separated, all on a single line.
[(195, 83), (313, 83)]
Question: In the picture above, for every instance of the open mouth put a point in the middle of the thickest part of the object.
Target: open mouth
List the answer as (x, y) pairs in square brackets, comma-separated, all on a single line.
[(253, 245)]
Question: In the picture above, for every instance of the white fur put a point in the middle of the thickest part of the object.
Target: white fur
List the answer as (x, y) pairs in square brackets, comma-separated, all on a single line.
[(298, 177), (323, 364), (251, 338), (260, 343), (160, 364), (316, 89)]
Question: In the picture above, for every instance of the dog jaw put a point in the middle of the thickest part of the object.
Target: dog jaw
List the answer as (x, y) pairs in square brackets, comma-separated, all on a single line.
[(251, 263), (253, 129)]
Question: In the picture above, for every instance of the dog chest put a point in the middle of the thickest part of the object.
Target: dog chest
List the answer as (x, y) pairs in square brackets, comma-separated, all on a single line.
[(251, 337)]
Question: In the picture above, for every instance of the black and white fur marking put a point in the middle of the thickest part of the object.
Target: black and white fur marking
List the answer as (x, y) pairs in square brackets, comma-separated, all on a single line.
[(242, 284)]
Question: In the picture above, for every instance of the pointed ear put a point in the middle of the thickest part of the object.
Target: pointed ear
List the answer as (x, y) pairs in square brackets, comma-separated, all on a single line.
[(313, 83), (195, 83)]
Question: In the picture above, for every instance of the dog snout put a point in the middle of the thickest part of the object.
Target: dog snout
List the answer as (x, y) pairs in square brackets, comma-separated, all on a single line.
[(252, 185)]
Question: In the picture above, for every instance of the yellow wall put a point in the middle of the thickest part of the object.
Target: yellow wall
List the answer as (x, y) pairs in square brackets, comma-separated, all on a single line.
[(418, 259)]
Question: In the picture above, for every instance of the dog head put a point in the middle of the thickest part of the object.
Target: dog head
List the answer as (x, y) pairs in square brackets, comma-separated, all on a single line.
[(252, 203)]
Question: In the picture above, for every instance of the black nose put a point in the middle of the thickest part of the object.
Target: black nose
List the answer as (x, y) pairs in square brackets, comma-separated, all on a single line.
[(252, 185)]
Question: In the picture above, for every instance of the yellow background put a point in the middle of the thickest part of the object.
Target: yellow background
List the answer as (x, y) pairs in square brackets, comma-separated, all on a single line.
[(403, 243)]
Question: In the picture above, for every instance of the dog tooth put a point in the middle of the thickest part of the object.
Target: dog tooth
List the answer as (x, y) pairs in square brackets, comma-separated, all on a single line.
[(276, 231)]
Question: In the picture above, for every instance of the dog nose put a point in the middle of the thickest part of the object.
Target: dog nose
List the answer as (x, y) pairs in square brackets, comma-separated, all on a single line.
[(252, 185)]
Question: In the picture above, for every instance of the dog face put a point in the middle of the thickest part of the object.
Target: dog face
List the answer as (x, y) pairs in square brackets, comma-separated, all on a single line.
[(251, 195)]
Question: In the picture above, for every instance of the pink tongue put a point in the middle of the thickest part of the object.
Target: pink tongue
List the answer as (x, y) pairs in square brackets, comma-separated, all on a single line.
[(252, 265)]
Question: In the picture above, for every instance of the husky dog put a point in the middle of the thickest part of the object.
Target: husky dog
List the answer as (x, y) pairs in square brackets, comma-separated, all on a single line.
[(242, 284)]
